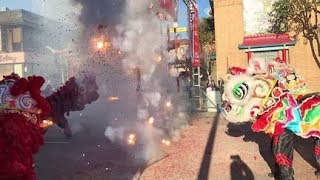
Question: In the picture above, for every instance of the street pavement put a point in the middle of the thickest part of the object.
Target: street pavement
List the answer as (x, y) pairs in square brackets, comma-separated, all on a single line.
[(209, 148), (220, 150)]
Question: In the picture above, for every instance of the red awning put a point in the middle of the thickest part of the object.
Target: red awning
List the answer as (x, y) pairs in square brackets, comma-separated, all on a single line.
[(266, 40)]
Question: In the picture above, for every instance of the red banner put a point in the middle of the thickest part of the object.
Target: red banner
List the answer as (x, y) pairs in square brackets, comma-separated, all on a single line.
[(196, 45)]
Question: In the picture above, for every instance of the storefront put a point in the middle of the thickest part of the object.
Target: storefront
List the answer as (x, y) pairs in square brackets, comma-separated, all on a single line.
[(27, 64), (12, 62)]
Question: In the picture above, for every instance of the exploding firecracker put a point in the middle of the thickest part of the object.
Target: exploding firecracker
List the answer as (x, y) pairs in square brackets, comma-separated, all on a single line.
[(100, 44), (113, 98), (46, 123), (159, 58), (165, 142), (151, 120), (132, 139), (168, 104)]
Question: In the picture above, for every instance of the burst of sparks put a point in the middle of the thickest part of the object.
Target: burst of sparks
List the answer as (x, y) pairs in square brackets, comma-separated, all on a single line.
[(151, 120), (166, 142), (46, 123), (113, 98), (168, 104), (100, 44), (132, 139)]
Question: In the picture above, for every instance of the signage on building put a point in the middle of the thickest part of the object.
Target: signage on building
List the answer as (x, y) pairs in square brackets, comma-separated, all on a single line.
[(5, 58), (11, 58), (178, 30)]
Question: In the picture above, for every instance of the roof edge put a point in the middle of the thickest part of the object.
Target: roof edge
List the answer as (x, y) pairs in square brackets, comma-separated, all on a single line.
[(292, 43)]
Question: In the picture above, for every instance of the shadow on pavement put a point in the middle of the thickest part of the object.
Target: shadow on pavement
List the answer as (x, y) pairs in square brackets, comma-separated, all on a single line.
[(205, 164), (304, 147), (263, 140), (239, 170)]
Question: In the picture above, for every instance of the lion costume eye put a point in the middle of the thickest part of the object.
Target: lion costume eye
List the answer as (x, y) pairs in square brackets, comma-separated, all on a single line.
[(240, 90), (81, 90)]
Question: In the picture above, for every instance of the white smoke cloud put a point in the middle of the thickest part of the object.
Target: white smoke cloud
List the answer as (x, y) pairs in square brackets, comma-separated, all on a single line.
[(139, 37), (142, 42), (114, 134)]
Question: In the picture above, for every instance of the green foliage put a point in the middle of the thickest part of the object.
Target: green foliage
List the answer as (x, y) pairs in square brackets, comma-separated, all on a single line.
[(206, 34), (298, 17)]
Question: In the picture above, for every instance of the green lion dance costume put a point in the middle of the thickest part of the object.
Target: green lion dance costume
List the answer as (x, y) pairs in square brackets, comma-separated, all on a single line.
[(275, 98)]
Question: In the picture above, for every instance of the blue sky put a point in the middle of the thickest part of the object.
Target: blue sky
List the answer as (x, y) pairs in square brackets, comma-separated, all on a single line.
[(203, 6), (27, 5), (16, 4)]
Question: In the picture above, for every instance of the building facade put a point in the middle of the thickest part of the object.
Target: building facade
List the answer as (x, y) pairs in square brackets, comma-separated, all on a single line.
[(240, 35), (25, 42)]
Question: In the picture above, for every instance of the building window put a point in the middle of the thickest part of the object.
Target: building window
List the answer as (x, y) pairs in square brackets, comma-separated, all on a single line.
[(267, 55), (16, 39), (11, 39)]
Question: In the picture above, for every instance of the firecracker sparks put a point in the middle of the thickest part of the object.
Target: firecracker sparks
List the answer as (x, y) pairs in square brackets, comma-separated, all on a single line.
[(113, 98), (168, 104), (151, 120), (46, 123), (132, 139), (165, 142), (100, 44)]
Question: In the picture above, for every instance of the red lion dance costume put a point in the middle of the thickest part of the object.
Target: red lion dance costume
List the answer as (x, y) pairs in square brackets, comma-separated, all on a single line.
[(23, 117)]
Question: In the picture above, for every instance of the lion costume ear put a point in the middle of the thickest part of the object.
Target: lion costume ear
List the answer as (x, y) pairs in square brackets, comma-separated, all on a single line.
[(34, 86)]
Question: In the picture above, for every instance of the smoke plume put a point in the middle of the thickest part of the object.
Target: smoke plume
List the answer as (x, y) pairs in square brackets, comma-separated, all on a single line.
[(134, 82)]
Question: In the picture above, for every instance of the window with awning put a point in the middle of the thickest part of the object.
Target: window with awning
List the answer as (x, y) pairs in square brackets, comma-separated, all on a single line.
[(267, 46)]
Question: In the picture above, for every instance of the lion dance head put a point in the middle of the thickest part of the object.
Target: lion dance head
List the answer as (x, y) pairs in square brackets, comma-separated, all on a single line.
[(22, 110), (252, 91), (24, 117)]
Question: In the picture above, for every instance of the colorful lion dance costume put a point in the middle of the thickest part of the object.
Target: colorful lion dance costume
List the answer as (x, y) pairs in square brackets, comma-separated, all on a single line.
[(24, 115), (276, 99)]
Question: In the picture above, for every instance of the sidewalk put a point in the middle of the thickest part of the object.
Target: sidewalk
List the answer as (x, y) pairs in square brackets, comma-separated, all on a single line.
[(186, 159)]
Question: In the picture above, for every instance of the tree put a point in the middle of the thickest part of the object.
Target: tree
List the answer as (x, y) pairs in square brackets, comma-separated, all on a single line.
[(207, 42), (298, 17), (211, 6), (206, 33)]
